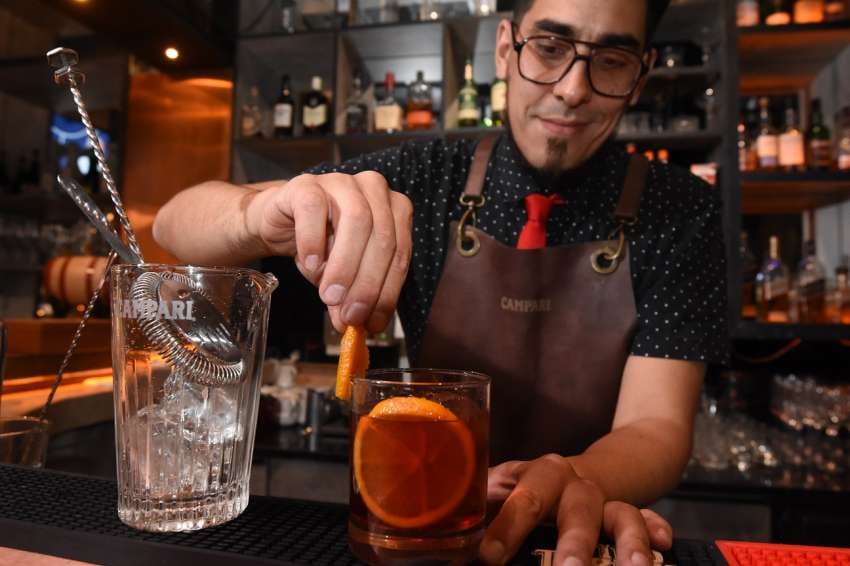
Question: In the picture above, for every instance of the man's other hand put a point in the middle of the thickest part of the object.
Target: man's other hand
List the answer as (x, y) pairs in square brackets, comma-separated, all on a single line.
[(350, 236), (549, 488)]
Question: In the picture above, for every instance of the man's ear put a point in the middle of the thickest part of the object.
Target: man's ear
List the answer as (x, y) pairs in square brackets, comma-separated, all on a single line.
[(504, 47), (649, 59)]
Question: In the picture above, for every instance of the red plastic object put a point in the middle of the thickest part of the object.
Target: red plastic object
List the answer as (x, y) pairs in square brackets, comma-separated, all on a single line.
[(739, 553)]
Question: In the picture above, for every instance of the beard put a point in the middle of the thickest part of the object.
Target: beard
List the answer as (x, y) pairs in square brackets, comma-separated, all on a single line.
[(556, 150)]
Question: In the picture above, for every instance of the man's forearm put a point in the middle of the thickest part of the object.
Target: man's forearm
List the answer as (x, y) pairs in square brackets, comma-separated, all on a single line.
[(206, 225), (637, 463)]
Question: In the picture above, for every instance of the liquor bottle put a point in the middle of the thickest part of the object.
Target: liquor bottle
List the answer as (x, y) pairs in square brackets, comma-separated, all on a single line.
[(747, 13), (749, 271), (388, 112), (252, 116), (792, 146), (835, 10), (808, 11), (356, 109), (843, 147), (773, 286), (747, 157), (663, 156), (811, 286), (499, 102), (839, 304), (284, 110), (315, 113), (469, 113), (819, 140), (776, 13), (767, 142), (420, 104)]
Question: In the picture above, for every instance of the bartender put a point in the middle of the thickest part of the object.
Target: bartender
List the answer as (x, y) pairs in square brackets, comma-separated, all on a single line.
[(589, 284)]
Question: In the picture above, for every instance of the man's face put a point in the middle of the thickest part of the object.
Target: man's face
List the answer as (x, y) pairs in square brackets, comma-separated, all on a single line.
[(559, 126)]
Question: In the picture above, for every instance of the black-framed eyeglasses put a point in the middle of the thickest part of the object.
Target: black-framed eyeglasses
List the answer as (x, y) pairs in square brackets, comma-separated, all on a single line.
[(546, 59)]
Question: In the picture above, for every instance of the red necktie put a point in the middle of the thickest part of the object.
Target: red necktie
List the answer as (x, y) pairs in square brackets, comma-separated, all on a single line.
[(538, 207)]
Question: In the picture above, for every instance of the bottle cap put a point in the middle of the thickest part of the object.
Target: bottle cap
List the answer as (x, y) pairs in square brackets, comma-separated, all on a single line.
[(316, 83)]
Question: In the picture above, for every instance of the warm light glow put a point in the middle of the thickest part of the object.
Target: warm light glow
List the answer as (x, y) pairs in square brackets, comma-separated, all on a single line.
[(81, 1), (172, 53)]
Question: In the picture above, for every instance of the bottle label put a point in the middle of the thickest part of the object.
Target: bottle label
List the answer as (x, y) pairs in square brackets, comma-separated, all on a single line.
[(748, 13), (388, 117), (775, 288), (791, 150), (813, 289), (767, 147), (315, 117), (821, 153), (844, 162), (419, 119), (808, 11), (499, 96), (282, 115), (778, 19), (249, 125)]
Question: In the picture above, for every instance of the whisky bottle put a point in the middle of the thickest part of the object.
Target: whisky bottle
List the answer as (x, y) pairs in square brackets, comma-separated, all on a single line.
[(499, 101), (811, 286), (420, 104), (251, 116), (388, 112), (469, 114), (747, 13), (284, 110), (808, 11), (819, 139), (776, 13), (356, 109), (792, 146), (315, 115), (773, 286), (767, 142)]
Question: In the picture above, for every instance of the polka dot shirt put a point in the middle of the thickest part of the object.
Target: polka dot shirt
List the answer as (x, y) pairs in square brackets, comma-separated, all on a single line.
[(676, 248)]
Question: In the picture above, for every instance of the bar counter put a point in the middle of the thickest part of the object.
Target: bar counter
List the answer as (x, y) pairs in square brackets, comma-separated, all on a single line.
[(74, 517)]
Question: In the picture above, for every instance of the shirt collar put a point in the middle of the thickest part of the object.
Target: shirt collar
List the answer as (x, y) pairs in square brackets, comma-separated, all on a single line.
[(517, 178)]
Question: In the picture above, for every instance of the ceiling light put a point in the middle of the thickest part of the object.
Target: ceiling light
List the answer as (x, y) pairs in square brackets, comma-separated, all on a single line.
[(172, 53)]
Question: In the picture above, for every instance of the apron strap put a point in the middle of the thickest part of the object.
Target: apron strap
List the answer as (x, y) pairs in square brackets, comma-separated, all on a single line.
[(478, 169), (627, 208)]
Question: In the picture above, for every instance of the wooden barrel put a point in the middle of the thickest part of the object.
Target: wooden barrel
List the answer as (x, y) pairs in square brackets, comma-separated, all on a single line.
[(72, 278)]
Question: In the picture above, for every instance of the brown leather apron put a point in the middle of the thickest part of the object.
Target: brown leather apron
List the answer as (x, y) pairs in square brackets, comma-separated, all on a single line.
[(552, 326)]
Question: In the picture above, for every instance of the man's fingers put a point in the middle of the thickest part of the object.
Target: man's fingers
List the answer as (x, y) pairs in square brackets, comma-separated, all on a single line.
[(310, 215), (579, 520), (627, 527), (352, 220), (402, 215), (501, 481), (536, 493), (660, 531)]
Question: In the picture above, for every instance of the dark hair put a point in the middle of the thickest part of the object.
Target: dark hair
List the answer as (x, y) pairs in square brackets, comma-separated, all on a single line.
[(654, 11)]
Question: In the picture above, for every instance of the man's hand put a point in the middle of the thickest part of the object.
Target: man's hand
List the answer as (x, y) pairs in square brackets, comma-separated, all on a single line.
[(549, 488), (350, 235)]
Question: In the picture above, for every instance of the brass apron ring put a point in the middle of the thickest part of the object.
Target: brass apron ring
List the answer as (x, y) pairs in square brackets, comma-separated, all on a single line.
[(467, 241), (608, 254)]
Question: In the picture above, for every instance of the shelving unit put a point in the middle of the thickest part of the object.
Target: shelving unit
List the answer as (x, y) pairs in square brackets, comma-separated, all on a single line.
[(760, 60), (768, 192)]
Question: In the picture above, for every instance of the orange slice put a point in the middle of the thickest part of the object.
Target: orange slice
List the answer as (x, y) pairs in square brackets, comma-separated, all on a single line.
[(353, 360), (414, 461)]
